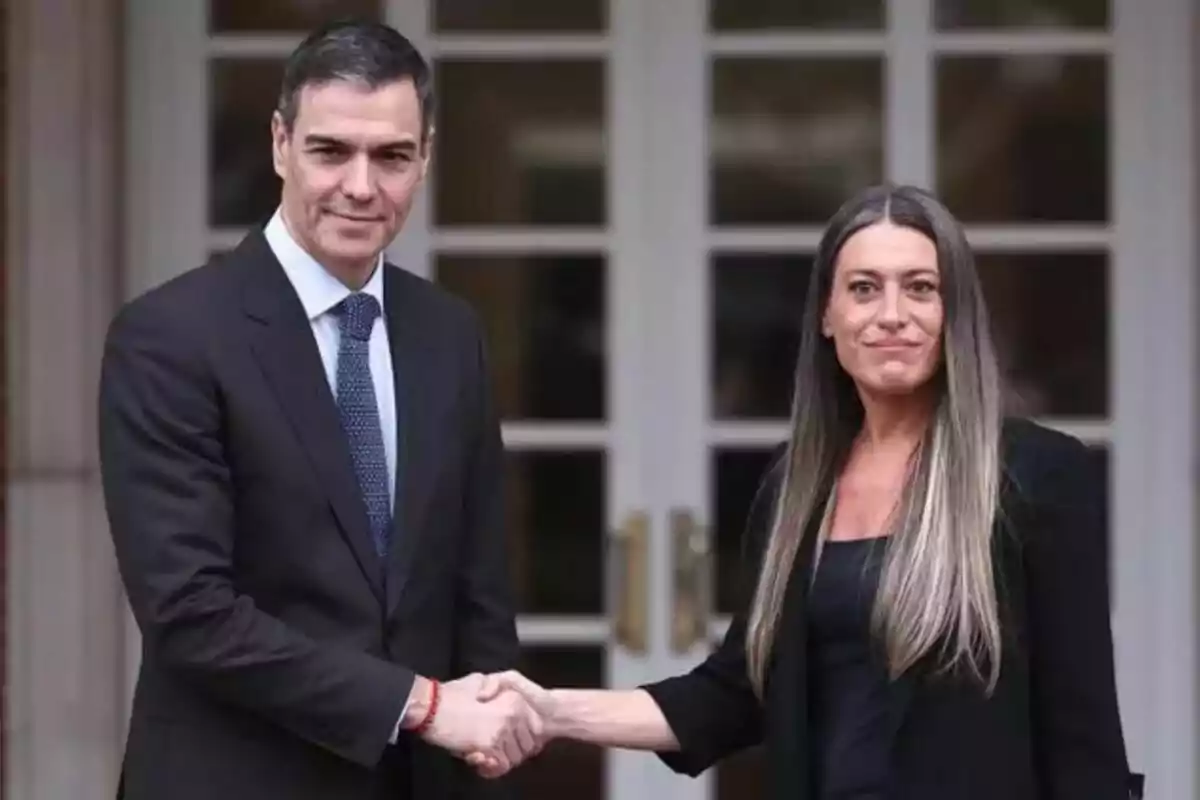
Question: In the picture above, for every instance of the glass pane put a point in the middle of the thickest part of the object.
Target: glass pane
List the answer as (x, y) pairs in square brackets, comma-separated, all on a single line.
[(535, 16), (1023, 138), (565, 768), (737, 473), (736, 15), (520, 143), (757, 302), (544, 317), (791, 140), (555, 523), (263, 16), (1050, 313), (243, 187), (950, 14)]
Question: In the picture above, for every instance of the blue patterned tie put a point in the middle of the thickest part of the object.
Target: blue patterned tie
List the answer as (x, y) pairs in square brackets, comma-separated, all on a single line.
[(360, 412)]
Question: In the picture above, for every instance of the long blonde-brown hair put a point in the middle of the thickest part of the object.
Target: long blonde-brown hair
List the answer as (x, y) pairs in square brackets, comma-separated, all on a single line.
[(937, 587)]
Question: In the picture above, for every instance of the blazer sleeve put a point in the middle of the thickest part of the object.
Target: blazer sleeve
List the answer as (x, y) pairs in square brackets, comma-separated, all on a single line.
[(485, 633), (713, 710), (485, 622), (170, 502), (1078, 742)]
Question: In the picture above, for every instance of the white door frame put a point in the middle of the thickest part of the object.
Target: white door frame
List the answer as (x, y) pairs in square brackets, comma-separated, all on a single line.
[(1155, 446)]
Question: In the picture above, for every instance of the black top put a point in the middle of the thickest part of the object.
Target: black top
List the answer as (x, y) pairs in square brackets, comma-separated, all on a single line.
[(852, 704), (1051, 729)]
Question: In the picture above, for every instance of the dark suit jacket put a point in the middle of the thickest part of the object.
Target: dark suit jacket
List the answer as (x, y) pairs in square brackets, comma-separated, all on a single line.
[(278, 648), (1051, 731)]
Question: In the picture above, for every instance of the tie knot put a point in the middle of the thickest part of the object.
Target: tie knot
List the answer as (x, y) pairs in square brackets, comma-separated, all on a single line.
[(358, 313)]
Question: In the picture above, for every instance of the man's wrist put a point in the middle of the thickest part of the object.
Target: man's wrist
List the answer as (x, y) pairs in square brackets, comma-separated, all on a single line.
[(419, 703)]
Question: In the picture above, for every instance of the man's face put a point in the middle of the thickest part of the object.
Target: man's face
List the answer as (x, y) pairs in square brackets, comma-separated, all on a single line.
[(350, 166)]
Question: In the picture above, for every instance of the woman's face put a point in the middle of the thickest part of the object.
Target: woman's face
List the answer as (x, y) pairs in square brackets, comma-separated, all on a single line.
[(885, 312)]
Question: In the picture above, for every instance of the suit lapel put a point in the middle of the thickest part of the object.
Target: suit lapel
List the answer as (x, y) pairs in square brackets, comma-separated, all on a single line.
[(286, 351), (413, 370)]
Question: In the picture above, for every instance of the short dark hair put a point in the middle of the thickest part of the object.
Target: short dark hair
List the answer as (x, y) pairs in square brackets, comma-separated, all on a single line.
[(363, 51)]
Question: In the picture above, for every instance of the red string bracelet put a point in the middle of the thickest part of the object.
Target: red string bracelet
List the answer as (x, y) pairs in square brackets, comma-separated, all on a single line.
[(433, 707)]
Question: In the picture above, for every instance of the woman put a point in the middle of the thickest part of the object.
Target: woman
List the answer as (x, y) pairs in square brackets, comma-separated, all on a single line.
[(928, 610)]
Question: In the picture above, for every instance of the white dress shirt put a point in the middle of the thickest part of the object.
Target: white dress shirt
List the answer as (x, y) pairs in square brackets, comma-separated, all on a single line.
[(319, 293)]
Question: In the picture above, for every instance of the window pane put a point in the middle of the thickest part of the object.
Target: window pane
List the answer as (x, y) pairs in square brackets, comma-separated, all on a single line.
[(757, 302), (565, 768), (1050, 315), (791, 140), (535, 16), (733, 15), (520, 143), (555, 524), (949, 14), (737, 472), (1023, 138), (545, 319), (268, 16), (243, 187)]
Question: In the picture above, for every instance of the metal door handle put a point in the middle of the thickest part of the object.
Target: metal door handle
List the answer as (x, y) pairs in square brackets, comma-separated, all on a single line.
[(629, 566), (691, 588)]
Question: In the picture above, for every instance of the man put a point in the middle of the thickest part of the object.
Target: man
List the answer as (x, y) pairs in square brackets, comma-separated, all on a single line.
[(302, 471)]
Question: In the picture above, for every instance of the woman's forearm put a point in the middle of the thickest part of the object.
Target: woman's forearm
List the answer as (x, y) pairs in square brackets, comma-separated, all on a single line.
[(628, 719)]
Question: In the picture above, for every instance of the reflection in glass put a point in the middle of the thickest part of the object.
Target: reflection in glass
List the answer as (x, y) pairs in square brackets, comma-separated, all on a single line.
[(243, 187), (565, 768), (1050, 316), (555, 521), (544, 318), (791, 139), (737, 15), (950, 14), (520, 143), (271, 16), (1023, 138), (757, 303), (738, 474), (531, 16)]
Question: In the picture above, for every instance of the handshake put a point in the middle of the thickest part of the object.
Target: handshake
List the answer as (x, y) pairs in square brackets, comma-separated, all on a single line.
[(495, 722)]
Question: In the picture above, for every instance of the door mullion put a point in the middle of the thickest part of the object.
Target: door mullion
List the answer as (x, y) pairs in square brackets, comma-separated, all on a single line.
[(909, 144)]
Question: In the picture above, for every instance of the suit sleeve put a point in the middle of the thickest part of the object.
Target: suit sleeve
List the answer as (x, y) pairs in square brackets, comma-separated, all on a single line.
[(169, 498), (713, 710), (485, 617), (1078, 741)]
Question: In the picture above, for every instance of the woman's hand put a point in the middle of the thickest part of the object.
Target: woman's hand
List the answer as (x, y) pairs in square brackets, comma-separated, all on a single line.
[(539, 700)]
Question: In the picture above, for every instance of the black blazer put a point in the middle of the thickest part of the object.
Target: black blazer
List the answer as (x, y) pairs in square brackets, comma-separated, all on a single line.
[(1051, 731), (278, 648)]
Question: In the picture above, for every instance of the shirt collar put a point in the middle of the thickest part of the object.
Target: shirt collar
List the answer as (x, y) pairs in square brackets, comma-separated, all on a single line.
[(318, 290)]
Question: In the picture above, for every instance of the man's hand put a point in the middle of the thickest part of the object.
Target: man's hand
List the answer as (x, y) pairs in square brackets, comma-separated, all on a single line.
[(495, 688), (503, 731)]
